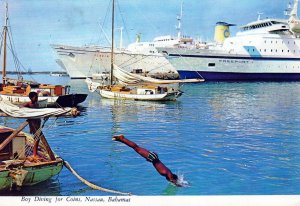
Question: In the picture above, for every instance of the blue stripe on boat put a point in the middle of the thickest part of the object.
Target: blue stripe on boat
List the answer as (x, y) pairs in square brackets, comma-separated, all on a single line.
[(232, 76), (236, 57)]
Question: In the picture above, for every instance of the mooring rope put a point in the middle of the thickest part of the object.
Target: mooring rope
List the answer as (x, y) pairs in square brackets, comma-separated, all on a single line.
[(93, 186)]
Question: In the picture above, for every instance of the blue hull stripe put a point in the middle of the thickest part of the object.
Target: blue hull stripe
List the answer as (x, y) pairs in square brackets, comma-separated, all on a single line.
[(232, 76), (235, 57)]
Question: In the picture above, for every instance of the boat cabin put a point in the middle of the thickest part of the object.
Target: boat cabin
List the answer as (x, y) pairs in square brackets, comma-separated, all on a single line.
[(49, 90), (15, 149), (41, 89), (151, 90)]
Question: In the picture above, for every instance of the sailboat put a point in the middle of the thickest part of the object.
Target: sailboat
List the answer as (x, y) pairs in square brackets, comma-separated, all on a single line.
[(19, 166), (146, 92), (16, 91)]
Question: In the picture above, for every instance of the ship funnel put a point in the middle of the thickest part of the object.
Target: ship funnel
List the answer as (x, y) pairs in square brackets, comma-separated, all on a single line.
[(222, 31)]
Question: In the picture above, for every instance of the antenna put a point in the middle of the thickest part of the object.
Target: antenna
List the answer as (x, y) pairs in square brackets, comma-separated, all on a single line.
[(288, 9), (286, 12), (259, 15), (179, 17), (294, 10)]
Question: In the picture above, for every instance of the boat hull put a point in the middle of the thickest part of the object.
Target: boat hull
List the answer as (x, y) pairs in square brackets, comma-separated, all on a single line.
[(20, 99), (68, 100), (5, 181), (235, 76), (40, 173), (36, 173), (151, 97)]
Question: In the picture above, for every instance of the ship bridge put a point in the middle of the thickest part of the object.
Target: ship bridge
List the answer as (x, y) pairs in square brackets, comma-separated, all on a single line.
[(276, 26)]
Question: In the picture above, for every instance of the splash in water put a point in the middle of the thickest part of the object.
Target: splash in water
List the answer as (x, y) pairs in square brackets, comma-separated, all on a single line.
[(181, 182)]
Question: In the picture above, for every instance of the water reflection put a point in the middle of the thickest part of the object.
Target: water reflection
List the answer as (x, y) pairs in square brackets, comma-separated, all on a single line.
[(52, 186), (252, 107), (123, 111)]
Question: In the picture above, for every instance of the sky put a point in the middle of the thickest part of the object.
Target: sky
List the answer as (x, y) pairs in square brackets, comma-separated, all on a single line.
[(35, 24)]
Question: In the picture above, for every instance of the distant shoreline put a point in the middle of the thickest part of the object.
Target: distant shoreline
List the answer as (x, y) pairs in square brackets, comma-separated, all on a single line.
[(40, 72)]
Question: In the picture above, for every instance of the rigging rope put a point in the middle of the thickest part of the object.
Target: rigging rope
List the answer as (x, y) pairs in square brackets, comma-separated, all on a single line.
[(93, 186)]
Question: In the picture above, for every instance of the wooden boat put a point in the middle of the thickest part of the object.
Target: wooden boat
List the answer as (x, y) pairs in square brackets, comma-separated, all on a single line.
[(51, 95), (17, 166), (136, 92), (16, 91)]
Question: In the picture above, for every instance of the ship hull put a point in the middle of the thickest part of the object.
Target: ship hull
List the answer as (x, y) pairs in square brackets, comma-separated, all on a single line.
[(83, 62), (236, 67), (232, 76)]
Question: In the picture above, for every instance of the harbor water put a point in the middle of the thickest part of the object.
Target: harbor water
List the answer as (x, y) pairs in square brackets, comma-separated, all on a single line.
[(224, 138)]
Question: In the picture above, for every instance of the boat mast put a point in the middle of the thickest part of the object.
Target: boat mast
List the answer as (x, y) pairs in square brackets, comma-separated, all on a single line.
[(4, 47), (112, 42)]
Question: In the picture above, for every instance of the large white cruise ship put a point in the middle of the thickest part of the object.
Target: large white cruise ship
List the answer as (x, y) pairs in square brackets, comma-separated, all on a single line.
[(138, 57), (267, 49)]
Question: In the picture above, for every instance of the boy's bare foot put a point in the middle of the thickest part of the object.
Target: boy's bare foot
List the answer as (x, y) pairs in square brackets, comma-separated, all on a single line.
[(118, 137)]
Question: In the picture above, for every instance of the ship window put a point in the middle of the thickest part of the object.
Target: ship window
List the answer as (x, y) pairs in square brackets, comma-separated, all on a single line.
[(265, 50), (282, 50), (271, 50), (211, 64)]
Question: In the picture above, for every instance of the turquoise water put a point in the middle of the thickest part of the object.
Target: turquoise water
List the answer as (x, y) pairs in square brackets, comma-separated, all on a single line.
[(224, 138)]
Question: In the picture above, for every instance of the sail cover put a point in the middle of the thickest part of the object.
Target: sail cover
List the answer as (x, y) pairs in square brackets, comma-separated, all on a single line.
[(130, 78), (30, 113)]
